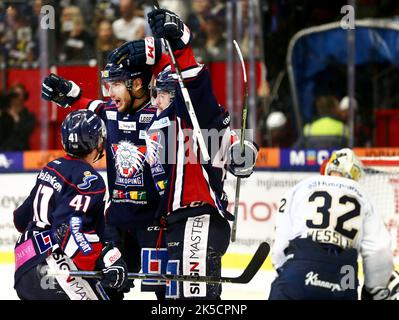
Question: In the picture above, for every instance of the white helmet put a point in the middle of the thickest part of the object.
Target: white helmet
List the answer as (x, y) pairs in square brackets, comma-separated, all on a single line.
[(346, 163), (344, 104), (276, 119)]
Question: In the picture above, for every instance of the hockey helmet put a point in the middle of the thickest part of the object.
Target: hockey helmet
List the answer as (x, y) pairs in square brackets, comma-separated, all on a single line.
[(81, 132), (345, 162), (165, 82), (119, 72)]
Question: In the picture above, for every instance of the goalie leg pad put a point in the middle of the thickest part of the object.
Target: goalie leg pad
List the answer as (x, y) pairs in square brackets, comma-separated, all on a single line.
[(196, 246)]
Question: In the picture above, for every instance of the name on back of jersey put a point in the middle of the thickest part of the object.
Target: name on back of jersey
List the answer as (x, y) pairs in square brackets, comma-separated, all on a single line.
[(330, 237), (52, 180)]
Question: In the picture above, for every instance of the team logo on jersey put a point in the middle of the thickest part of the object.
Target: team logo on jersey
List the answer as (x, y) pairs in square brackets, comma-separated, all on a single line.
[(43, 241), (172, 287), (129, 163), (132, 195), (161, 185), (146, 118), (111, 115), (154, 261), (88, 178), (312, 279), (153, 142), (127, 125), (161, 123)]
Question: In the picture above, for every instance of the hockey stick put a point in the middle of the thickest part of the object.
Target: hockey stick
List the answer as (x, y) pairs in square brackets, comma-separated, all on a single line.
[(252, 268), (243, 127), (186, 97)]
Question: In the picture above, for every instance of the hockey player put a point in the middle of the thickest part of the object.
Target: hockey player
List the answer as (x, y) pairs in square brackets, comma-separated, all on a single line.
[(323, 223), (133, 198), (193, 205), (62, 221)]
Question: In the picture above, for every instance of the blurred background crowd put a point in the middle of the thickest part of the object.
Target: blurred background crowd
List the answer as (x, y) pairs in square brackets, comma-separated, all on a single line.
[(85, 31)]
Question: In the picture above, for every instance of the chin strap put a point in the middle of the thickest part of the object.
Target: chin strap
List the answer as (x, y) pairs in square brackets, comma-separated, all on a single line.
[(100, 154)]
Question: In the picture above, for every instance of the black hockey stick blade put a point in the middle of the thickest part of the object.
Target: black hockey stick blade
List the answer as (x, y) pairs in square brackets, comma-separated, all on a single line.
[(252, 268), (254, 265)]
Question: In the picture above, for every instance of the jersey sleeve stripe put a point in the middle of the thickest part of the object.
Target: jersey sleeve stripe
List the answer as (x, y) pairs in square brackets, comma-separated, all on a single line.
[(179, 168)]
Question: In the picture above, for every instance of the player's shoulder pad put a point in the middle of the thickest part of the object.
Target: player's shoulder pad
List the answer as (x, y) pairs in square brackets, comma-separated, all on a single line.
[(77, 174)]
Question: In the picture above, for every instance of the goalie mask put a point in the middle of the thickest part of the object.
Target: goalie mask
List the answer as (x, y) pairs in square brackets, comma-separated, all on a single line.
[(346, 163)]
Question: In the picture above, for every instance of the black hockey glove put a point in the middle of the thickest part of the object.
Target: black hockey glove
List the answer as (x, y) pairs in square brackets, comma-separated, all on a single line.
[(60, 90), (242, 166), (168, 25), (137, 53), (113, 267)]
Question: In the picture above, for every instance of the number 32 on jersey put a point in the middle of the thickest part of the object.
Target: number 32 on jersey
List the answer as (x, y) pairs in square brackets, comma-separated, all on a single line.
[(332, 219)]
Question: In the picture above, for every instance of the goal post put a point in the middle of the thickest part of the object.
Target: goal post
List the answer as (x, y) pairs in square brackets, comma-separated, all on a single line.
[(381, 182)]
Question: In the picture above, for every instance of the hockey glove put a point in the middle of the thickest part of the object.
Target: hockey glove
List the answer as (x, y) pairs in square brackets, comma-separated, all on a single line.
[(60, 91), (391, 292), (242, 166), (137, 53), (113, 267), (378, 293), (168, 25), (393, 286)]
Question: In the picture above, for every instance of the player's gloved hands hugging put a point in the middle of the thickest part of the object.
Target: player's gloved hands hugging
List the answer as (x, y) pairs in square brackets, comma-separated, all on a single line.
[(168, 25), (242, 166), (60, 90), (113, 267), (137, 53)]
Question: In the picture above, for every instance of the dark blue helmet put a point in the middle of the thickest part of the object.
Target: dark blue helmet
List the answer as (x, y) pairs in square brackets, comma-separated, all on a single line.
[(115, 72), (165, 82), (81, 132), (118, 72)]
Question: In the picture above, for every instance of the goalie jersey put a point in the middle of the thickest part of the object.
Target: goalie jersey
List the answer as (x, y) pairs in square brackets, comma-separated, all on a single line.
[(337, 211), (65, 210)]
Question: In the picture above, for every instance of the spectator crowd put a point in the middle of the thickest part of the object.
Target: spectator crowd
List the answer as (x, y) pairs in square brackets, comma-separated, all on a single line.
[(86, 30)]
